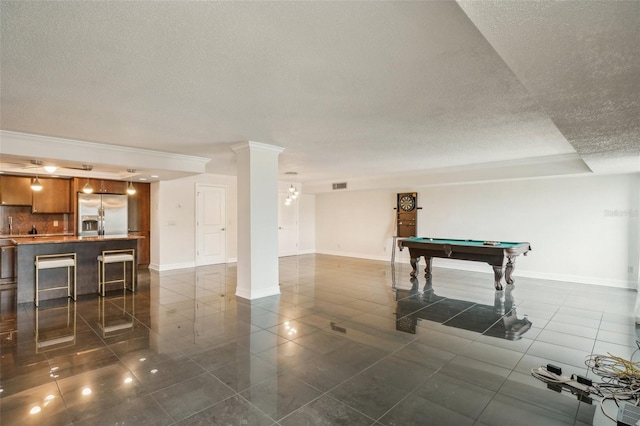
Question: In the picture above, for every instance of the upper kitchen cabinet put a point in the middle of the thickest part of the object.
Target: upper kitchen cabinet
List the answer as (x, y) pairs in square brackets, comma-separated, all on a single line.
[(15, 190), (105, 186), (55, 196), (100, 186)]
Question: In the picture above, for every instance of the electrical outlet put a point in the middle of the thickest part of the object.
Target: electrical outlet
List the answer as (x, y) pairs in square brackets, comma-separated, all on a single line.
[(55, 223)]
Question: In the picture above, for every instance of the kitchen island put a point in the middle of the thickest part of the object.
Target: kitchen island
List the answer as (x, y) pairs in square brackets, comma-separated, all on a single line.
[(87, 250)]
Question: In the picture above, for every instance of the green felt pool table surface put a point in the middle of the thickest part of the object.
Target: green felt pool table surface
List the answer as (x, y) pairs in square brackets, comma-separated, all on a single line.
[(476, 243)]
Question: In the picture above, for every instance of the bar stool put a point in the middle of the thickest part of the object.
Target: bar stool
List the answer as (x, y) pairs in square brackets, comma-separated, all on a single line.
[(116, 256), (53, 261)]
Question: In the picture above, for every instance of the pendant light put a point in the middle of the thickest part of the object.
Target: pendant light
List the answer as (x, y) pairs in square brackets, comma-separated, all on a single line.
[(293, 191), (36, 185), (291, 195), (131, 190), (87, 189)]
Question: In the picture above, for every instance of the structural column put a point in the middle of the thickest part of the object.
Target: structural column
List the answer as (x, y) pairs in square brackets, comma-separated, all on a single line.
[(258, 274)]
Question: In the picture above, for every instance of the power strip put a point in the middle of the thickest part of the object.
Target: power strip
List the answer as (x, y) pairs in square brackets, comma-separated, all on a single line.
[(564, 380)]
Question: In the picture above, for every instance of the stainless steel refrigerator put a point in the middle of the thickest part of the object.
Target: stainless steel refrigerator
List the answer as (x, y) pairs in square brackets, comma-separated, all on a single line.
[(102, 214)]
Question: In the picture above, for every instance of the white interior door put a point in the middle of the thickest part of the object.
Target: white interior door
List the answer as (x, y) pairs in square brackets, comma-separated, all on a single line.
[(211, 221), (287, 226)]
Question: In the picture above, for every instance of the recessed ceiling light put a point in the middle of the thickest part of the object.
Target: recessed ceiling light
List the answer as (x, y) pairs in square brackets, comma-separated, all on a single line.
[(142, 178), (155, 176)]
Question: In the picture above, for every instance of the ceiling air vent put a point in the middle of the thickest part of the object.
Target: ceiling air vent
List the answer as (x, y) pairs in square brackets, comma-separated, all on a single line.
[(341, 185)]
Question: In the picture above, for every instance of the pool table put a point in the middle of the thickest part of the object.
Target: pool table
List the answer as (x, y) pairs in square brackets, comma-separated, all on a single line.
[(491, 252)]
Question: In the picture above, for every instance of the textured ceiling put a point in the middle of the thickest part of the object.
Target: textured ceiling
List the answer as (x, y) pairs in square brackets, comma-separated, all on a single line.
[(349, 89), (581, 61)]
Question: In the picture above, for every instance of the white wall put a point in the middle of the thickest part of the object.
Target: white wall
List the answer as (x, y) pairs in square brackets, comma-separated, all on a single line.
[(307, 224), (355, 223), (173, 227), (173, 220), (582, 229)]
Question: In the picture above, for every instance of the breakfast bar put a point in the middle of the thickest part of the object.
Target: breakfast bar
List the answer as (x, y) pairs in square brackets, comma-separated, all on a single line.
[(87, 250)]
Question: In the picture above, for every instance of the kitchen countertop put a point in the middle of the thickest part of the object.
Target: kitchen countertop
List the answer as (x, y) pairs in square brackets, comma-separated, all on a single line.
[(58, 234), (27, 239)]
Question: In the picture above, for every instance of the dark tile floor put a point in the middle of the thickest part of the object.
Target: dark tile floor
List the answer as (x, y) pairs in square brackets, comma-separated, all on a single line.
[(339, 345)]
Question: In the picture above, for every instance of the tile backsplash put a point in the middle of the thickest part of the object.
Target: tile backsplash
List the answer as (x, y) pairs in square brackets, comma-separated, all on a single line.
[(24, 220)]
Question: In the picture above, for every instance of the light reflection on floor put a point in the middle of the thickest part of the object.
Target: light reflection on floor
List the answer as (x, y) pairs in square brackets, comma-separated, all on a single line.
[(348, 341)]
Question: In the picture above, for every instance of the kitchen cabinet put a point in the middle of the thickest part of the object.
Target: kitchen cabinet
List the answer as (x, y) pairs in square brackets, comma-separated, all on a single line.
[(139, 221), (140, 208), (102, 186), (55, 196), (143, 250), (15, 190)]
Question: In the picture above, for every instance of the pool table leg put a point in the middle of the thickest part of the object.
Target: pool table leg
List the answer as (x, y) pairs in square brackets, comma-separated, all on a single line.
[(427, 269), (414, 265), (497, 274), (508, 270)]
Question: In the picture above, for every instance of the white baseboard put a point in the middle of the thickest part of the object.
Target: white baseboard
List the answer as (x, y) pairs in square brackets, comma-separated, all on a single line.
[(172, 266), (308, 251), (483, 267), (248, 294), (356, 255)]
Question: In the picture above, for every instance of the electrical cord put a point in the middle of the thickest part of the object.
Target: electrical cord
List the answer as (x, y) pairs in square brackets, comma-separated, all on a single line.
[(620, 379)]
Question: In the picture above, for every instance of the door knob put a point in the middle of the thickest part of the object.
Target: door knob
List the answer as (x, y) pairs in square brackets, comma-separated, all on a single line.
[(222, 229)]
